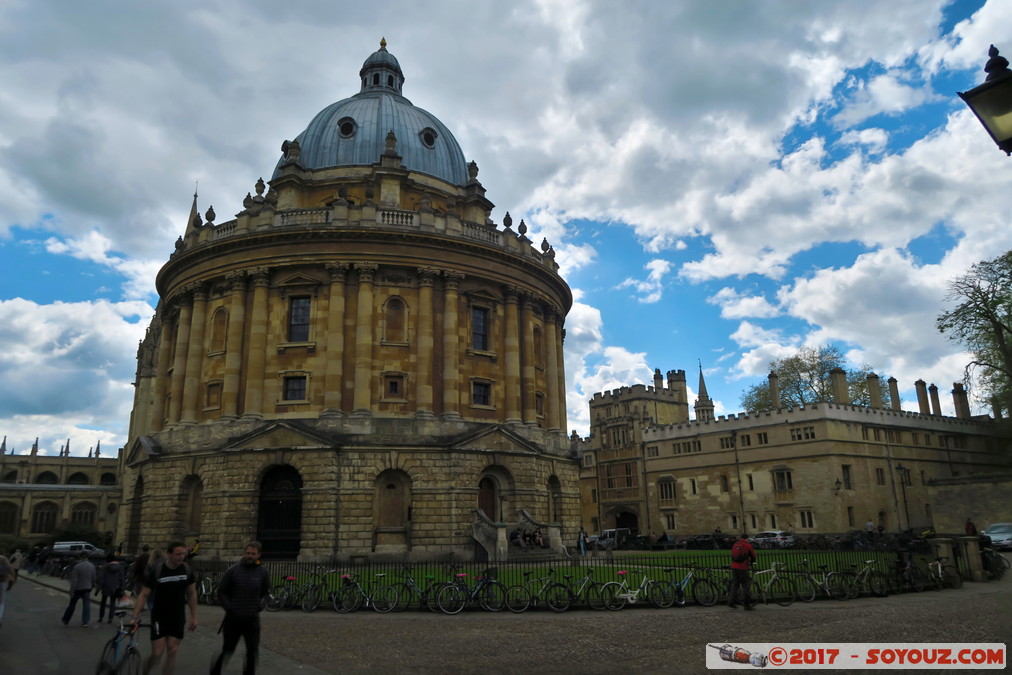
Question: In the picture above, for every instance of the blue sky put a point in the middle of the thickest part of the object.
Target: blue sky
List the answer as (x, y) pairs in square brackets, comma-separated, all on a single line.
[(722, 182)]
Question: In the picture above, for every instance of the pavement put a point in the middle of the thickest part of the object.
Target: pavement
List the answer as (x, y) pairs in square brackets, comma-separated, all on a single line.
[(633, 640)]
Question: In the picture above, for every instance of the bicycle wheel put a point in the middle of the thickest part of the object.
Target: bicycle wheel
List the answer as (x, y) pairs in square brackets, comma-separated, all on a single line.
[(557, 597), (131, 664), (611, 595), (107, 664), (917, 579), (348, 599), (429, 595), (451, 599), (806, 589), (951, 577), (661, 595), (878, 584), (838, 586), (679, 596), (595, 600), (492, 597), (384, 599), (277, 599), (781, 591), (704, 592), (312, 598), (518, 599)]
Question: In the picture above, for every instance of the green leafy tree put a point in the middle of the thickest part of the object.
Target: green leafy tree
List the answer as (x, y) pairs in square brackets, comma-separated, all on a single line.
[(981, 321), (803, 379)]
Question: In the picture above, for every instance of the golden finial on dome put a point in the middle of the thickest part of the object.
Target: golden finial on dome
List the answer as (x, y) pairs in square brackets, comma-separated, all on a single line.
[(383, 43)]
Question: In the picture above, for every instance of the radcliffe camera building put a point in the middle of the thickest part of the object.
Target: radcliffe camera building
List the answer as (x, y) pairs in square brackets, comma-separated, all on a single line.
[(360, 363)]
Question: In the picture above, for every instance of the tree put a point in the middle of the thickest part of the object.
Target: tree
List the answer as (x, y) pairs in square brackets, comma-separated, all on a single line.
[(803, 379), (982, 323)]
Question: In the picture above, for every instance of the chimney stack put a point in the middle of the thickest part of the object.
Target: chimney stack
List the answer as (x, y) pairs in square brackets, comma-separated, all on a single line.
[(838, 384), (894, 393), (774, 391), (922, 396), (960, 401), (874, 390), (936, 407)]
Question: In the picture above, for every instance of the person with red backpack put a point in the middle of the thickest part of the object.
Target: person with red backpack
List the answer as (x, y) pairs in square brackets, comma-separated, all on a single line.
[(742, 557)]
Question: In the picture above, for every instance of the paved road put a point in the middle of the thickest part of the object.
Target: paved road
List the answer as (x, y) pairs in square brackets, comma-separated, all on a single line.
[(633, 640)]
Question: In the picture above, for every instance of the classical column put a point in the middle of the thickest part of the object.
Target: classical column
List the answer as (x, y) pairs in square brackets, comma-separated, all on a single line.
[(512, 402), (554, 404), (256, 356), (334, 377), (161, 376), (451, 347), (195, 355), (233, 345), (560, 374), (527, 371), (362, 405), (424, 344), (179, 363)]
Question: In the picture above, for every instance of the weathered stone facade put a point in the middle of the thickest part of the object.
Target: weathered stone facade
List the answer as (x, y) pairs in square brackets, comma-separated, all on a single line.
[(358, 362)]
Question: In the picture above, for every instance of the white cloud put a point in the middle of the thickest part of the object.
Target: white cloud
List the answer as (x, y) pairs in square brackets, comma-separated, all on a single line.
[(650, 289), (734, 305)]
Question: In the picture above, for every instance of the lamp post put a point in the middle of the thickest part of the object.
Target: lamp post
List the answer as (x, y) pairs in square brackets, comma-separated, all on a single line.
[(902, 470), (991, 102)]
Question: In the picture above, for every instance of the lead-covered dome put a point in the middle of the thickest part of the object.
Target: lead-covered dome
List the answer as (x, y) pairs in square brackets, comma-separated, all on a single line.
[(353, 132)]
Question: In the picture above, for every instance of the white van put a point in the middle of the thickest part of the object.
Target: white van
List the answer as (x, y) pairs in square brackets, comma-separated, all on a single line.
[(75, 548)]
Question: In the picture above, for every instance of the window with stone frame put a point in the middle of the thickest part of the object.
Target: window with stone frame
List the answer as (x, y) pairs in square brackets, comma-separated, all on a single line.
[(298, 318), (212, 395), (219, 326), (44, 518), (83, 514), (666, 491), (395, 322), (782, 480), (539, 348), (294, 388), (481, 393), (480, 328), (669, 520), (394, 387), (8, 518)]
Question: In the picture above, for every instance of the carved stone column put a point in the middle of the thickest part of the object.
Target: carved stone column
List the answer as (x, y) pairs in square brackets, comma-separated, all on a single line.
[(527, 371), (424, 344), (554, 404), (512, 360), (233, 345), (183, 325), (364, 376), (195, 355), (334, 377), (451, 347), (256, 357), (161, 376)]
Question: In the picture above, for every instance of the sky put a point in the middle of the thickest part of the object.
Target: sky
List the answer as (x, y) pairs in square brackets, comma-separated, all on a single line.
[(723, 182)]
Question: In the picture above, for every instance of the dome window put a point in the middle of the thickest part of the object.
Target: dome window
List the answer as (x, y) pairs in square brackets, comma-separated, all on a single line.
[(390, 80), (347, 127), (428, 136)]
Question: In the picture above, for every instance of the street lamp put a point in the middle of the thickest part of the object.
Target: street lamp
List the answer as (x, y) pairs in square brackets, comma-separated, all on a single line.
[(902, 470), (991, 102)]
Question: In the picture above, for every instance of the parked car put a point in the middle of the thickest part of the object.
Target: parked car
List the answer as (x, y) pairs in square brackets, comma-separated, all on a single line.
[(76, 547), (1001, 535), (772, 539), (709, 541), (613, 539)]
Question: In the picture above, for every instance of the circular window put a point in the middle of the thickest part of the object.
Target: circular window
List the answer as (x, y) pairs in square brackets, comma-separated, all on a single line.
[(428, 137), (347, 127)]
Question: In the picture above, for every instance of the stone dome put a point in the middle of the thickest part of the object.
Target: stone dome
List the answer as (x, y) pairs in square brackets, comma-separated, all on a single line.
[(353, 131)]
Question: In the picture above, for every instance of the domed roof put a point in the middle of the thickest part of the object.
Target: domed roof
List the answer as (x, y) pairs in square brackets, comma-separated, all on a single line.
[(353, 132)]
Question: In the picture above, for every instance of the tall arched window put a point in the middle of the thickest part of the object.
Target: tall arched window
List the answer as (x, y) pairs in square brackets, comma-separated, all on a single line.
[(391, 508), (219, 326), (79, 478), (395, 321), (8, 518), (44, 518), (83, 514), (279, 521), (192, 505), (47, 478), (539, 348)]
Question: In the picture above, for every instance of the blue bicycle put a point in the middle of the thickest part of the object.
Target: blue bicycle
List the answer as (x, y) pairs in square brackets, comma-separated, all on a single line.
[(121, 655)]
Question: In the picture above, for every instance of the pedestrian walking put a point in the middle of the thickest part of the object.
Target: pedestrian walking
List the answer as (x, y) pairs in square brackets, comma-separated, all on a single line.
[(7, 579), (242, 592), (970, 528), (742, 557), (110, 584), (82, 580), (17, 561), (172, 584)]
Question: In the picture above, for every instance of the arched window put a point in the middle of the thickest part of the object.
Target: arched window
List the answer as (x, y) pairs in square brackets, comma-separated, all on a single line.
[(279, 520), (8, 518), (219, 324), (391, 508), (79, 478), (395, 321), (192, 505), (488, 497), (44, 518), (47, 478), (83, 514), (539, 348), (108, 478), (11, 476), (554, 500)]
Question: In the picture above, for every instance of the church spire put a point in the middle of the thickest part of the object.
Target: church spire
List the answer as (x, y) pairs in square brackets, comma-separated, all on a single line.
[(193, 223), (704, 404)]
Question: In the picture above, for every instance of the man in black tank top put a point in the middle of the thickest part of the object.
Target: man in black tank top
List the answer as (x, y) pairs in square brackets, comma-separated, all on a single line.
[(173, 586)]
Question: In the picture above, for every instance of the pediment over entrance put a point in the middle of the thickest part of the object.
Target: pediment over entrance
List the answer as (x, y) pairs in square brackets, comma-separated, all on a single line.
[(279, 434), (496, 439)]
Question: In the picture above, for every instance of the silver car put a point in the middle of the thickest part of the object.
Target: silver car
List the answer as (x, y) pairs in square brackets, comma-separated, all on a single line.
[(1001, 535)]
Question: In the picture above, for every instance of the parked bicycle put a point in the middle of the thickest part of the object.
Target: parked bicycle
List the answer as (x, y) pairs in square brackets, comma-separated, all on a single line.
[(995, 564), (486, 592), (675, 591), (808, 583), (352, 595), (584, 590), (309, 594), (408, 594), (121, 654), (866, 580), (942, 574), (773, 585), (207, 588), (618, 594), (534, 592)]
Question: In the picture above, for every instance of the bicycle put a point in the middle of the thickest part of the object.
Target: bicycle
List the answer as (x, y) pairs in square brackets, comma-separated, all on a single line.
[(207, 588), (994, 563), (942, 575), (777, 587), (618, 594), (308, 595), (546, 589), (906, 576), (352, 595), (809, 584), (586, 589), (866, 579), (487, 592), (703, 591), (121, 654), (408, 594)]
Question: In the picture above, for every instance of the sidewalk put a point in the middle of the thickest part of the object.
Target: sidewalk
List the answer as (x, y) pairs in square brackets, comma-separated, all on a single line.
[(201, 646)]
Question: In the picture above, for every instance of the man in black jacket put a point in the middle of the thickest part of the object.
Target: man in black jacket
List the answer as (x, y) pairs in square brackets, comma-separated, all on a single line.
[(242, 592)]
